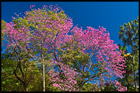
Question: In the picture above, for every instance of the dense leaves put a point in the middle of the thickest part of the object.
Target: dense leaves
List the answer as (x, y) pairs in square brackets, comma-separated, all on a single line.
[(129, 34)]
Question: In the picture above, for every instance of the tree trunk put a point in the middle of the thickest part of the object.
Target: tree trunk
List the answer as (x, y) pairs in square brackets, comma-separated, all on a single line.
[(101, 87), (43, 76), (127, 79), (133, 66), (26, 89), (43, 72), (134, 72)]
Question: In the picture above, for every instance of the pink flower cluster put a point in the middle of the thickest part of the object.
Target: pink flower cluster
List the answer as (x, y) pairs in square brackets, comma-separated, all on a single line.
[(67, 80), (119, 87), (97, 41), (16, 36)]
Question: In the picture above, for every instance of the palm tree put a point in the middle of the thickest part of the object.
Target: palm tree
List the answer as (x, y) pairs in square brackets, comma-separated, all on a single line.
[(129, 34)]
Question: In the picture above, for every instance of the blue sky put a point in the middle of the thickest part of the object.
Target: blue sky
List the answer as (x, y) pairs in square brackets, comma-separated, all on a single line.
[(107, 14)]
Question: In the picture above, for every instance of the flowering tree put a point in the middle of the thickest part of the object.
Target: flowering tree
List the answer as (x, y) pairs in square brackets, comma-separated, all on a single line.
[(83, 46), (36, 32), (17, 39), (79, 56), (46, 24)]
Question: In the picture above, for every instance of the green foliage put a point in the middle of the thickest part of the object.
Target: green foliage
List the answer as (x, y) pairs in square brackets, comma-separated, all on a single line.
[(109, 87), (9, 82), (129, 33), (128, 76), (88, 87), (33, 76), (3, 27), (62, 15)]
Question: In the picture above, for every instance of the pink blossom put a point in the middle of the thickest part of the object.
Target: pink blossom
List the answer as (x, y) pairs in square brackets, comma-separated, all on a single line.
[(97, 40)]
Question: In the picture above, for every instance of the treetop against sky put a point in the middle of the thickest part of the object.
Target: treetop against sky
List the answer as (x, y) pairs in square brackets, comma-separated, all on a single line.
[(108, 14), (43, 32)]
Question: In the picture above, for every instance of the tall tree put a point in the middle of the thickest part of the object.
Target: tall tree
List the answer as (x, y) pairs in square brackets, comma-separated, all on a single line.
[(12, 83), (129, 34), (80, 49), (46, 24), (16, 44), (36, 33)]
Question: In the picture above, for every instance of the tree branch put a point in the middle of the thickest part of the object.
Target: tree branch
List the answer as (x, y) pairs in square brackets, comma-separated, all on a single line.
[(17, 76), (19, 65)]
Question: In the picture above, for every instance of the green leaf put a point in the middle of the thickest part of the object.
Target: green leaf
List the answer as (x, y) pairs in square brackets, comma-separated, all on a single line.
[(17, 84)]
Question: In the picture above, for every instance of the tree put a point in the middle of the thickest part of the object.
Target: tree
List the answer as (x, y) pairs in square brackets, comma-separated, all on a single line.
[(17, 41), (46, 25), (12, 83), (127, 80), (137, 78), (129, 34), (36, 33), (47, 34), (80, 48), (9, 83)]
